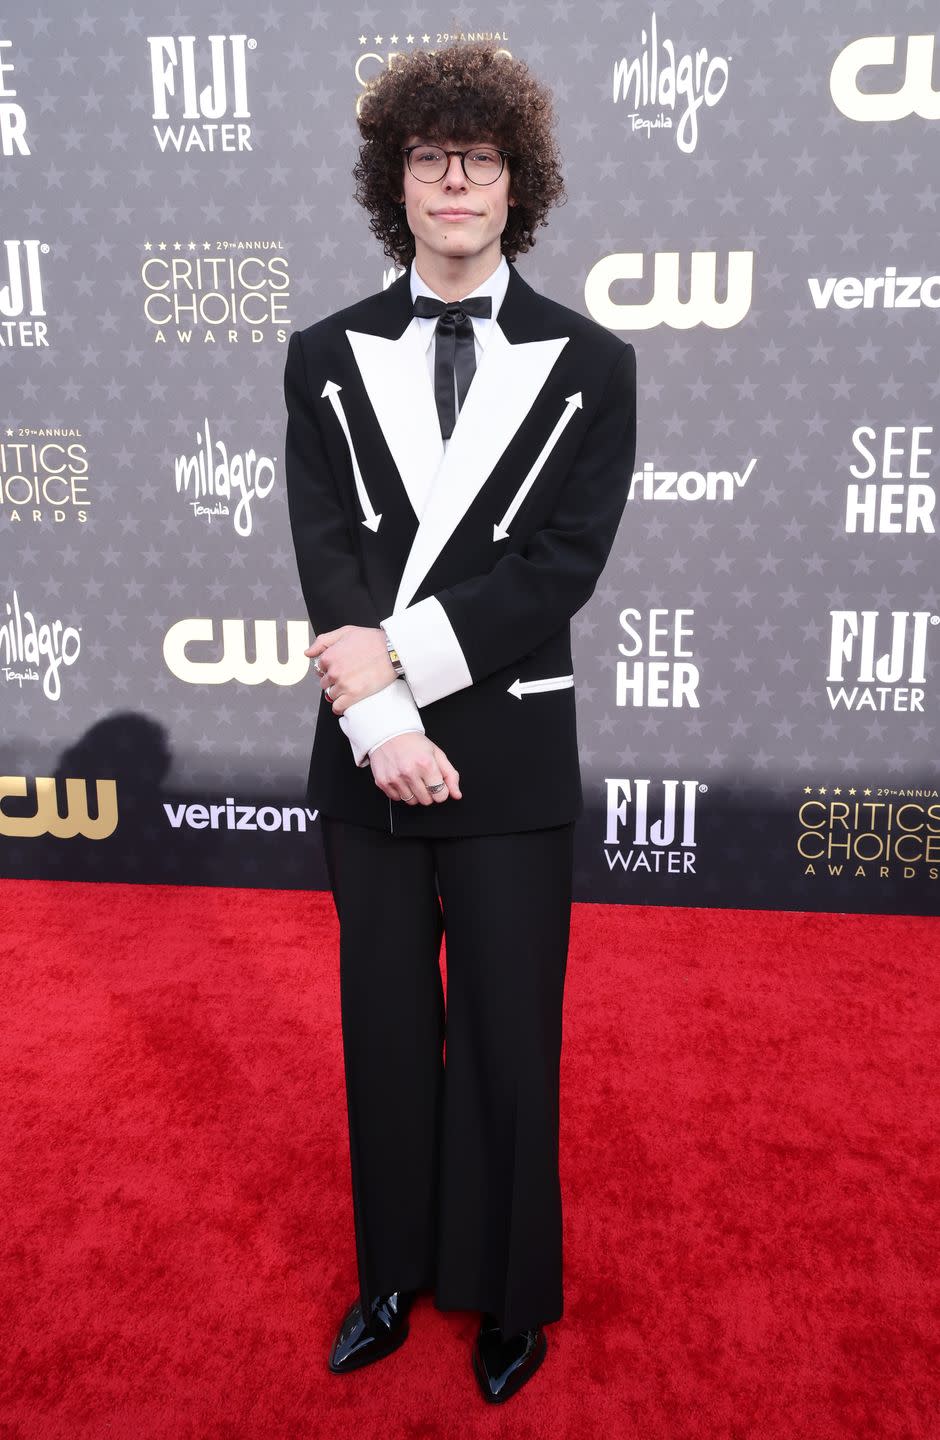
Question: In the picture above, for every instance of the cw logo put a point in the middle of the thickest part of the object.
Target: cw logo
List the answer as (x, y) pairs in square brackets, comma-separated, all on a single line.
[(233, 663), (49, 820), (916, 95), (664, 306)]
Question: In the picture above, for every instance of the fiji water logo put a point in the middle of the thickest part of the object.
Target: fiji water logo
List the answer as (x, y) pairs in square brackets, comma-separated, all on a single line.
[(213, 116), (21, 293), (878, 659), (650, 825)]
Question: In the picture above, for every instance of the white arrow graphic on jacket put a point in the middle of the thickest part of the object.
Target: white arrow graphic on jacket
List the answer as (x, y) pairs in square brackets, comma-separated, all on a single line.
[(534, 687), (572, 403), (331, 391)]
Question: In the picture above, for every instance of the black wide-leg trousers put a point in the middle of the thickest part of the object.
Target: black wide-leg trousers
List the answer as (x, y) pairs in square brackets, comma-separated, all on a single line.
[(455, 1165)]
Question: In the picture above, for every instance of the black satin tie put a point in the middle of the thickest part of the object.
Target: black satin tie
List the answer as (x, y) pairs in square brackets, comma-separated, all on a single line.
[(454, 353)]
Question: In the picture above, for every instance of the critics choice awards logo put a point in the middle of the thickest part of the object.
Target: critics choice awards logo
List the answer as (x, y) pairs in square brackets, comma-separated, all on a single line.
[(219, 484), (43, 475), (650, 825), (200, 92), (869, 832), (22, 304), (379, 52), (669, 85), (217, 292), (13, 140)]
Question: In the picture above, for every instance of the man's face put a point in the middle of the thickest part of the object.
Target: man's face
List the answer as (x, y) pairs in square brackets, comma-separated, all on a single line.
[(453, 216)]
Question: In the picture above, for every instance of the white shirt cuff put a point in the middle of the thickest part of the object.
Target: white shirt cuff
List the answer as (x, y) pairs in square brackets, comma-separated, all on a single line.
[(429, 650), (379, 717)]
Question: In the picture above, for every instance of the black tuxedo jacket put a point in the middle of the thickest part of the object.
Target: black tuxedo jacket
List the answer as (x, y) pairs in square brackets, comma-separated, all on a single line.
[(474, 558)]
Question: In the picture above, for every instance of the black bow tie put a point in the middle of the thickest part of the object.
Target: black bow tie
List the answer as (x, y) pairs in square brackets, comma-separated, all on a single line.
[(454, 353)]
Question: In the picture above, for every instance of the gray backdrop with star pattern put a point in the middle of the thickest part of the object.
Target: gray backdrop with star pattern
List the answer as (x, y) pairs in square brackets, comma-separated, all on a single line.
[(752, 201)]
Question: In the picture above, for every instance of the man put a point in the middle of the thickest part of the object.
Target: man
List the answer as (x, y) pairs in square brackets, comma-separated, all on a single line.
[(459, 454)]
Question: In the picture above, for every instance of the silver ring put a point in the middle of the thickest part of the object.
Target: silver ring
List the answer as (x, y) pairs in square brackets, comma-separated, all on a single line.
[(434, 788), (409, 796), (316, 666), (328, 689)]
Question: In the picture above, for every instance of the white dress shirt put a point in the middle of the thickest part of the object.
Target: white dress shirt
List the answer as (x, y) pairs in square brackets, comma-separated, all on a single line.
[(494, 285)]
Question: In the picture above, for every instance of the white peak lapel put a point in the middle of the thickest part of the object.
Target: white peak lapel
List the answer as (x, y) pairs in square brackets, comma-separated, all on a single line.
[(395, 375), (504, 388)]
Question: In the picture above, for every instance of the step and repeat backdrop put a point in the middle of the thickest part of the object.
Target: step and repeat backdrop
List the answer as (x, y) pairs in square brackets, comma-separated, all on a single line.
[(753, 199)]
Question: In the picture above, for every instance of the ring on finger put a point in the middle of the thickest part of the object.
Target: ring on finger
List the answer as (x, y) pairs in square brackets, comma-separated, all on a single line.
[(434, 788), (328, 690)]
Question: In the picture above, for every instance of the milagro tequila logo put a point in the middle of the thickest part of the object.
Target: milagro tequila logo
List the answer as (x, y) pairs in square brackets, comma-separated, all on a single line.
[(650, 825), (21, 298), (212, 478), (31, 649), (212, 117), (663, 82)]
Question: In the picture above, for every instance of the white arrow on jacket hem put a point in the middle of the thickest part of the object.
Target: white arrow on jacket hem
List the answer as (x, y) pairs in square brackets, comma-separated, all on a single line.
[(331, 391), (572, 403), (535, 687)]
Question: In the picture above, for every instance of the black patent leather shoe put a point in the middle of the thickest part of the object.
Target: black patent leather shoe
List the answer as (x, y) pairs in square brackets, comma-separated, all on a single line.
[(502, 1366), (362, 1339)]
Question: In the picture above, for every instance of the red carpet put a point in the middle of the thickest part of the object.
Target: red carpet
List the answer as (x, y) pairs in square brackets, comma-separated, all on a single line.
[(749, 1163)]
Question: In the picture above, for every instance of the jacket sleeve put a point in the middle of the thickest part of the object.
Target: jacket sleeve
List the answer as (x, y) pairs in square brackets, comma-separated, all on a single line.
[(331, 579), (461, 634)]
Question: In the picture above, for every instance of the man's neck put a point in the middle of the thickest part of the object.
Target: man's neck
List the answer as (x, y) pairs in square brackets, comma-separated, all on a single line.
[(454, 276)]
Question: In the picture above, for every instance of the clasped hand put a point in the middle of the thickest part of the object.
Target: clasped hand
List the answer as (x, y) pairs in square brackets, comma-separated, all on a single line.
[(354, 663)]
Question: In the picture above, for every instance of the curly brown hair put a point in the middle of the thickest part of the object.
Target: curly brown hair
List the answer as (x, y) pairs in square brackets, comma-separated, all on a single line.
[(469, 90)]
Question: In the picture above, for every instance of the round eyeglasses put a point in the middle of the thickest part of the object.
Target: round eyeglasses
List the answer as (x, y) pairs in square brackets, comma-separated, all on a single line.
[(482, 165)]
